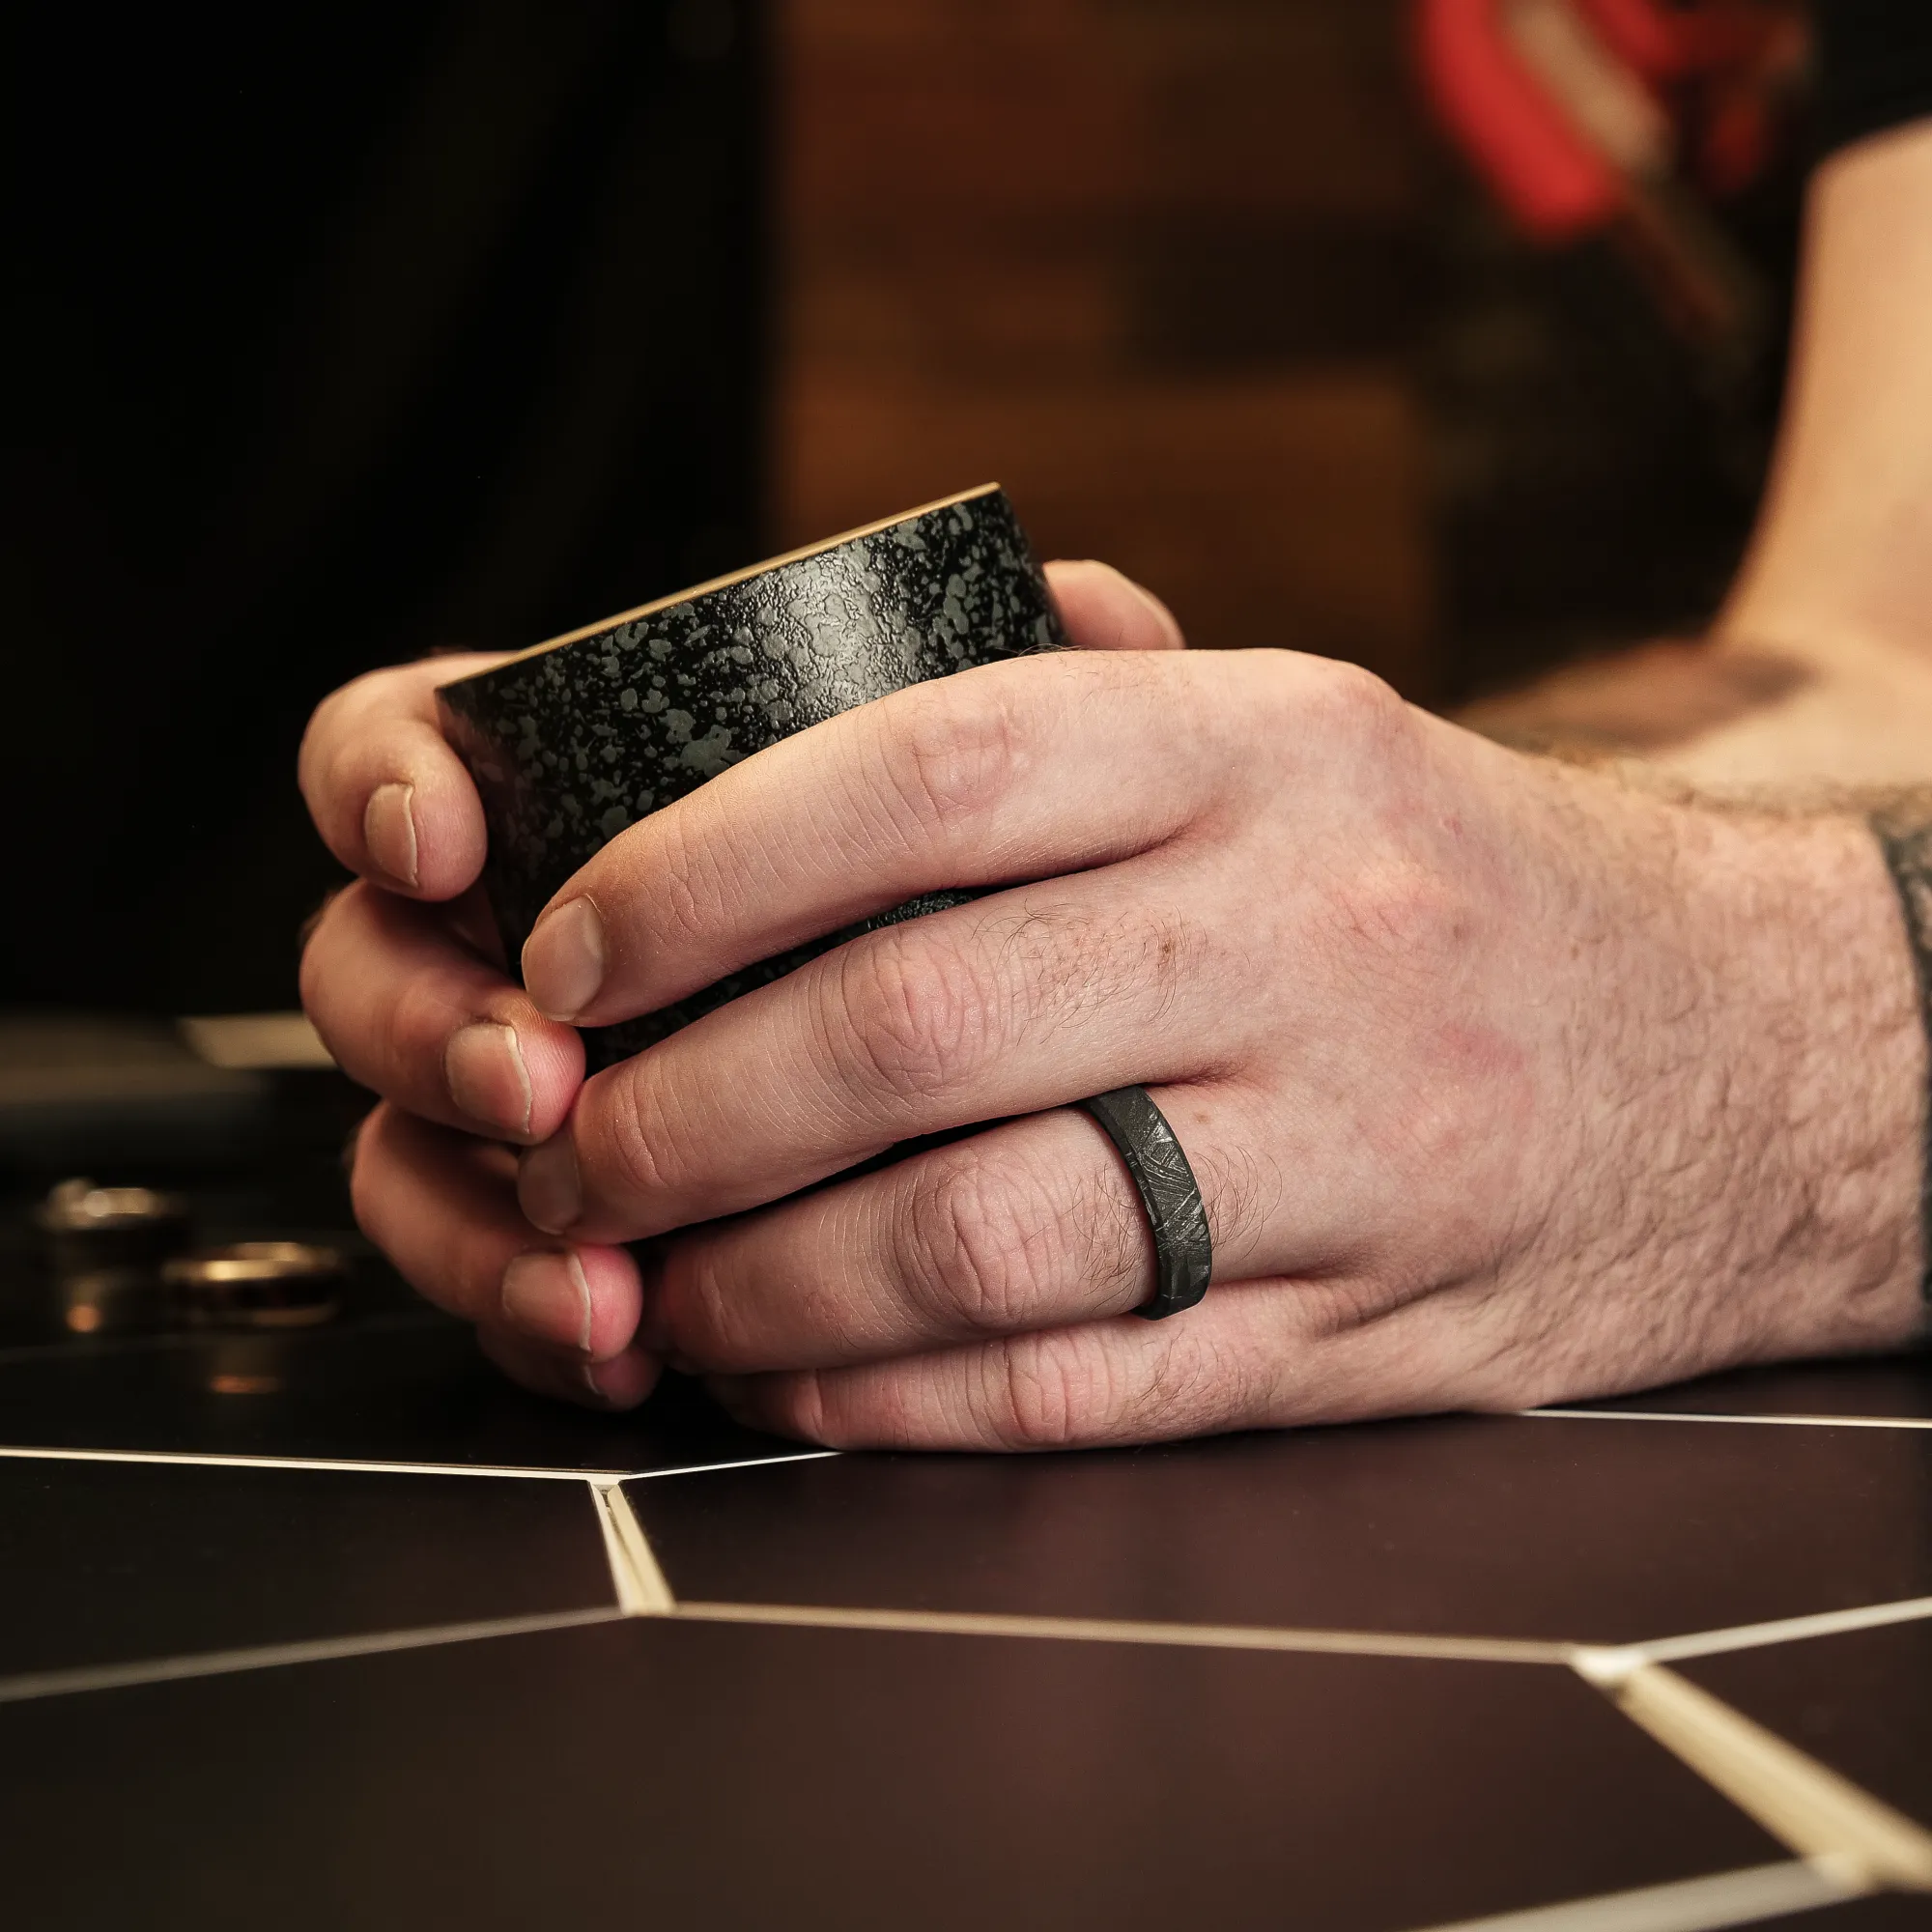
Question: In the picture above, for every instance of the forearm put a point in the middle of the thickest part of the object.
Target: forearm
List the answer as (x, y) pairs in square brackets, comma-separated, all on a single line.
[(1748, 1150), (1844, 550), (1838, 580), (1814, 1090), (1818, 671)]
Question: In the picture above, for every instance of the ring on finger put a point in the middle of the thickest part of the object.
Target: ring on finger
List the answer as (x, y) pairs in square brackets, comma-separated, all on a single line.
[(1183, 1248)]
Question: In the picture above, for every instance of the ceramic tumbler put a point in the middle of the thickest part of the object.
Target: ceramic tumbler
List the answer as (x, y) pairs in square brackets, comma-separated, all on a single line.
[(574, 741)]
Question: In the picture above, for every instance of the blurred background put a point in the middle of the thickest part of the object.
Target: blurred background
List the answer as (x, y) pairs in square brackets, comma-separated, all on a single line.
[(1444, 335)]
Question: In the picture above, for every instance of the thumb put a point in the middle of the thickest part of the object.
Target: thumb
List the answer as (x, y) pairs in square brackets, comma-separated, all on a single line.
[(1105, 611)]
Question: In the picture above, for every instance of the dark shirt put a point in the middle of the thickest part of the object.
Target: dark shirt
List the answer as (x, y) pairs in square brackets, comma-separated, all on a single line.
[(1876, 66)]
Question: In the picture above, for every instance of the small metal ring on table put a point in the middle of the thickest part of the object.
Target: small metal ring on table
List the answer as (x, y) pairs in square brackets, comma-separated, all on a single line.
[(1183, 1252)]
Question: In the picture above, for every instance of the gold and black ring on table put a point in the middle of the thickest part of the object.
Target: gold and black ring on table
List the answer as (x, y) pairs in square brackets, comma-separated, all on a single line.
[(1183, 1252)]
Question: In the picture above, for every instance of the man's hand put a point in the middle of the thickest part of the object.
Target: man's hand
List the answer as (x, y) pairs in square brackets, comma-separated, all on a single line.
[(1502, 1084), (404, 980), (401, 980)]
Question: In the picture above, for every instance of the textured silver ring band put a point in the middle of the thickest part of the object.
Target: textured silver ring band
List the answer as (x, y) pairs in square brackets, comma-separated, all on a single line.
[(1183, 1253)]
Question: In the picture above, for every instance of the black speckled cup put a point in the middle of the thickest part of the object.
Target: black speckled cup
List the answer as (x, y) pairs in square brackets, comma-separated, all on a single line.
[(572, 741)]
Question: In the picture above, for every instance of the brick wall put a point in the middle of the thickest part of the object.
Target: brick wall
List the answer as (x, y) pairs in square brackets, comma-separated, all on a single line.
[(1148, 263)]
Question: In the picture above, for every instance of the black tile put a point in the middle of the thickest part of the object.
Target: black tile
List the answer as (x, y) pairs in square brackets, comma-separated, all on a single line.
[(1888, 1912), (1498, 1526), (677, 1775), (1860, 1702), (1895, 1386), (113, 1562), (409, 1391)]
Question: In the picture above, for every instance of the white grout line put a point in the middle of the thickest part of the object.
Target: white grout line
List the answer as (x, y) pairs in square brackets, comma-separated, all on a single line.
[(1786, 1630), (712, 1468), (622, 1584), (635, 1574), (1790, 1421), (1805, 1805), (1690, 1905), (227, 1663), (339, 1466), (1095, 1630), (642, 1592)]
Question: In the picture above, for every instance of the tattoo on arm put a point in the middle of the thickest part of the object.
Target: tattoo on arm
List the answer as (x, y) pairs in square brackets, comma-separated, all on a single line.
[(1904, 832), (1639, 702)]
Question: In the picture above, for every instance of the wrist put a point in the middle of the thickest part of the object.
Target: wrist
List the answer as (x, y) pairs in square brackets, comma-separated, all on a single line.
[(1816, 1090), (1751, 1120)]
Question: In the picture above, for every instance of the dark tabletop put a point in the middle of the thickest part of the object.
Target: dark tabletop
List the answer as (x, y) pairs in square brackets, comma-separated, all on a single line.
[(364, 1637)]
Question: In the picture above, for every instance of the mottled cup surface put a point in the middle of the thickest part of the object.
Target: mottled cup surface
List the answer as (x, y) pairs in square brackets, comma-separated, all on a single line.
[(570, 746)]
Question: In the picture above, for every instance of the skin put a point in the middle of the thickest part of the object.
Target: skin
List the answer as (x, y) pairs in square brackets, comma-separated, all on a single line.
[(1818, 670), (1505, 1081)]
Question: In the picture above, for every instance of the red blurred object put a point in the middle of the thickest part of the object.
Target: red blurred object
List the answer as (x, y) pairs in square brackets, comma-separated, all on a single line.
[(1673, 42), (1537, 162), (1615, 117)]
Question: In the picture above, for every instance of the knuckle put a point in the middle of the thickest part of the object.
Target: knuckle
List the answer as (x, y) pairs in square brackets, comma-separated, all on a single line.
[(625, 1131), (798, 1405), (325, 761), (687, 891), (789, 1402), (704, 1314), (415, 1030), (955, 750), (1336, 712), (691, 1314), (979, 1257), (1051, 1391), (882, 1406), (1204, 1387), (912, 1015), (1346, 698)]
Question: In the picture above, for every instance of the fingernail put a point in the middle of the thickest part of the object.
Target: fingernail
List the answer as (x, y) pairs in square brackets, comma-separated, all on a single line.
[(389, 830), (488, 1080), (547, 1296), (593, 1373), (563, 960), (547, 1185)]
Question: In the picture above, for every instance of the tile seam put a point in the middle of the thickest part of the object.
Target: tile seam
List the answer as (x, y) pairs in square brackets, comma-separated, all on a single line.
[(1108, 1630), (33, 1686), (1762, 1421), (634, 1573), (357, 1466), (1782, 1630), (1704, 1904), (1815, 1811), (333, 1466), (645, 1601), (717, 1469)]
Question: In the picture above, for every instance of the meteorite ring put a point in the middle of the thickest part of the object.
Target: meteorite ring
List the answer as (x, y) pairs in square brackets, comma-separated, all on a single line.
[(1183, 1253)]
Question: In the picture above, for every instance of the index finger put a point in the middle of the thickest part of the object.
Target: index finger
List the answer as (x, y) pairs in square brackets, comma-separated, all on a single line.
[(388, 795), (1010, 772)]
